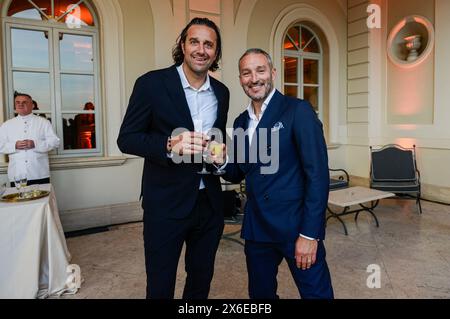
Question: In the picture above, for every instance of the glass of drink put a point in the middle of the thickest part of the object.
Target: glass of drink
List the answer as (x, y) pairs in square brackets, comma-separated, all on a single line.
[(217, 150), (205, 157), (23, 183), (18, 185)]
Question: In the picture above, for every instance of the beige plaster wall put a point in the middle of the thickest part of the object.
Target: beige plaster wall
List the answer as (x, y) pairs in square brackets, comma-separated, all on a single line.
[(139, 40), (410, 92)]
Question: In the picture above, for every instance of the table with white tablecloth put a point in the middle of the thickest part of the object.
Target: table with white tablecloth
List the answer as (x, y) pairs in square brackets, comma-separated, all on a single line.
[(34, 258)]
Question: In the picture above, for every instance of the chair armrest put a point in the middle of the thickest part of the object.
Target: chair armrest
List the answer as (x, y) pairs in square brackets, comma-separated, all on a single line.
[(343, 171)]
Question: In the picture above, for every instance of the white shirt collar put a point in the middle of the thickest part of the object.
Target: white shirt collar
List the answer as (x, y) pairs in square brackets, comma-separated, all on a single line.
[(251, 111), (184, 81), (26, 117)]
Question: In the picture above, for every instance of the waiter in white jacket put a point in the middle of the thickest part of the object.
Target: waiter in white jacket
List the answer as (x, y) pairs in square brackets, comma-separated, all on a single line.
[(27, 139)]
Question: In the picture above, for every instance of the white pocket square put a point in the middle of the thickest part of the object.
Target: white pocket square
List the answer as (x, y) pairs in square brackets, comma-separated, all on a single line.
[(278, 126)]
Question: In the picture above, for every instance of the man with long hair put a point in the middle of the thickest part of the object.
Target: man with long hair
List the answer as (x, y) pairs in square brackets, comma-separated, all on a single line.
[(180, 206)]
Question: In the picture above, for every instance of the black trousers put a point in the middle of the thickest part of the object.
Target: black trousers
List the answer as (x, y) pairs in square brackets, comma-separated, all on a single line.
[(201, 231), (36, 182)]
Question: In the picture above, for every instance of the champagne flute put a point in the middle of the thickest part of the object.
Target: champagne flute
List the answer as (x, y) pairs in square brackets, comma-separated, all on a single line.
[(217, 150), (18, 185), (205, 157), (23, 183), (198, 127)]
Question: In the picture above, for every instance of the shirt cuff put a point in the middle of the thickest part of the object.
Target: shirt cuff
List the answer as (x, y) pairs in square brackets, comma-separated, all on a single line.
[(306, 237)]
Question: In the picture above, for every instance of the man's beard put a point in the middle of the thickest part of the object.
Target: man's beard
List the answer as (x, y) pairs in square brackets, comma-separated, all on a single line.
[(268, 86)]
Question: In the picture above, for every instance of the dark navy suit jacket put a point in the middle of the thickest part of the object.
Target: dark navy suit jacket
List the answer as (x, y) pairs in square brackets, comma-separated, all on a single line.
[(157, 107), (280, 206)]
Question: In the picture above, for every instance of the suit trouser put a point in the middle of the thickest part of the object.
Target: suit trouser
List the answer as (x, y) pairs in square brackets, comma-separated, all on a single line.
[(263, 260), (163, 243)]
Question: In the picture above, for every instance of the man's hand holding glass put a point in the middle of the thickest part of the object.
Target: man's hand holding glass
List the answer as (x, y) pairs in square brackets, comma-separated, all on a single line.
[(218, 156), (187, 143)]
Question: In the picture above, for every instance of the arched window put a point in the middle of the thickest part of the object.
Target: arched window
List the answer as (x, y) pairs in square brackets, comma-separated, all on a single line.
[(52, 53), (303, 71)]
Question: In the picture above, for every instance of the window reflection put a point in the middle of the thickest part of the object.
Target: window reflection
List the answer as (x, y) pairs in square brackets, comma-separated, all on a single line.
[(80, 129), (309, 41), (29, 49), (35, 84), (25, 10), (311, 94), (46, 116), (290, 70), (76, 90), (79, 15), (313, 47), (294, 35), (290, 90), (311, 71), (76, 53), (37, 111)]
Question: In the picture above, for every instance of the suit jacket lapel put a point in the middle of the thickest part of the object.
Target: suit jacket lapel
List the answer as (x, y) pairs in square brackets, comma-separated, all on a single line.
[(221, 110), (176, 92), (273, 112), (271, 116), (242, 161)]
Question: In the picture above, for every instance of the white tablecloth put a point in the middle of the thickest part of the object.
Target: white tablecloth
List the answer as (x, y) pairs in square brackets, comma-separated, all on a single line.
[(33, 251)]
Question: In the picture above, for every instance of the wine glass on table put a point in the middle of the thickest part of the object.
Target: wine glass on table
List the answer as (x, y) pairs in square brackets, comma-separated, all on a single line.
[(18, 184), (23, 184)]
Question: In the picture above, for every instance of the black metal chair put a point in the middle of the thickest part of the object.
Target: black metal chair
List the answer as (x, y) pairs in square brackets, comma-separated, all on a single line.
[(339, 181), (234, 210), (394, 169)]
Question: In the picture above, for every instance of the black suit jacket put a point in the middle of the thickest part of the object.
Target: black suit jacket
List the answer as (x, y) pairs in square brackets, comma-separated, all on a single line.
[(158, 106)]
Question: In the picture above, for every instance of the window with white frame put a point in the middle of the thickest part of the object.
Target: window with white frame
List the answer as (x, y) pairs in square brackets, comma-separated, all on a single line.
[(302, 57), (52, 53)]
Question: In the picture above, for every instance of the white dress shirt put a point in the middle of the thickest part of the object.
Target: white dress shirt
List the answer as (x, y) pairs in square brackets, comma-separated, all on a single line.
[(202, 104), (32, 163), (254, 122)]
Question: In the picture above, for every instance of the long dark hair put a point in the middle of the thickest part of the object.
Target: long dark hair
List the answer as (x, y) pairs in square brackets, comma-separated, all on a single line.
[(177, 52)]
